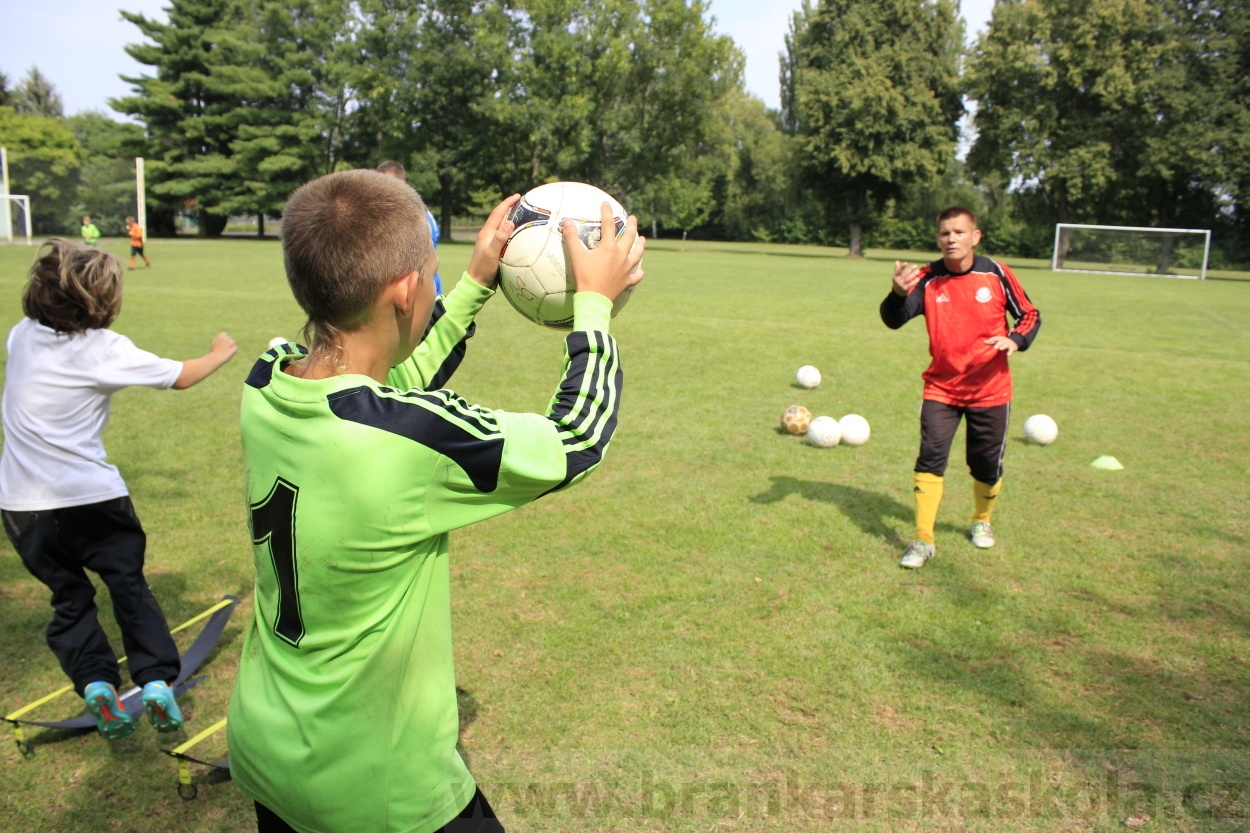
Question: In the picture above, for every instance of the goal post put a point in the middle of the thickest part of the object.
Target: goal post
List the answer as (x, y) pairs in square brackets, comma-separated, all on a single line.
[(1131, 250), (8, 201)]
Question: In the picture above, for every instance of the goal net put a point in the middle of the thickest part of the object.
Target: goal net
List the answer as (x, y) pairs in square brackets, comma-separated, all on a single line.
[(1128, 250), (14, 210)]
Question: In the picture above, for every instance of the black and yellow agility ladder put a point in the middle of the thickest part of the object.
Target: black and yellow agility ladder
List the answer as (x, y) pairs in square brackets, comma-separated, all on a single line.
[(217, 615)]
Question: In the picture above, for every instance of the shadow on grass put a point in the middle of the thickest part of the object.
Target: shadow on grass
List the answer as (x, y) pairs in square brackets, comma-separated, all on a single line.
[(1057, 682), (870, 511)]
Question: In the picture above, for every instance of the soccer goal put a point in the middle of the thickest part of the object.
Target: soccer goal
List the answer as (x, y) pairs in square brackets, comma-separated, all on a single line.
[(8, 204), (1129, 250)]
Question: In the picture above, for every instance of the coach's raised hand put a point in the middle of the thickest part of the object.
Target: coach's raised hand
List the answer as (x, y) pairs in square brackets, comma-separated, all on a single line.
[(906, 276), (611, 267), (484, 264)]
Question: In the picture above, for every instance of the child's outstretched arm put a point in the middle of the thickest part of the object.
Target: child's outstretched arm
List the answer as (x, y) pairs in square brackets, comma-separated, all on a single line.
[(195, 371), (494, 461), (443, 347)]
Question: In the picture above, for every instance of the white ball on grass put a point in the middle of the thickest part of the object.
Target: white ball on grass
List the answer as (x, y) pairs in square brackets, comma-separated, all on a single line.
[(824, 432), (275, 341), (855, 430), (1040, 429), (807, 377)]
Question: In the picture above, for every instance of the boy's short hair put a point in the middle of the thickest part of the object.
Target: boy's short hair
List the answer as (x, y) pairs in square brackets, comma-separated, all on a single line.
[(73, 288), (130, 219), (957, 211), (392, 168), (345, 236)]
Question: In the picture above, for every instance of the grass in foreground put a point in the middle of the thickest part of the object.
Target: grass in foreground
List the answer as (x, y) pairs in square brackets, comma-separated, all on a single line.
[(712, 631)]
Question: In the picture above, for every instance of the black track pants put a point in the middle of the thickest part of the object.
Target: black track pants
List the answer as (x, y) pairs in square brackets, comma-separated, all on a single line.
[(58, 546), (478, 817), (987, 439)]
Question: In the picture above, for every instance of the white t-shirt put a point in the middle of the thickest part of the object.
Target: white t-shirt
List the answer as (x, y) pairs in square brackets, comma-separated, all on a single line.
[(57, 392)]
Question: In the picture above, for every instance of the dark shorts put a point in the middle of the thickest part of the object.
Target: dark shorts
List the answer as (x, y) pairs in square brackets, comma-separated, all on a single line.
[(987, 438), (58, 547), (135, 250), (478, 817)]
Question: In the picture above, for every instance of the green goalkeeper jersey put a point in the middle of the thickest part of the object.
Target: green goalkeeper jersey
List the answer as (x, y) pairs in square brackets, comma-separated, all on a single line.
[(344, 716)]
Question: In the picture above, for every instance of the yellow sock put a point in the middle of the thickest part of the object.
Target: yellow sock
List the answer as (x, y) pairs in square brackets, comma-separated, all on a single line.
[(928, 493), (984, 495)]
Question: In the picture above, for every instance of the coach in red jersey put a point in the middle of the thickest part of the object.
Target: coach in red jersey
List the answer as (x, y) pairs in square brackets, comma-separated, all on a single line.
[(965, 299)]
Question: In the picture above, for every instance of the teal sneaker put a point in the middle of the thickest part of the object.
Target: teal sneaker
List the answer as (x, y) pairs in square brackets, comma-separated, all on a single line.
[(982, 535), (917, 554), (110, 718), (162, 708)]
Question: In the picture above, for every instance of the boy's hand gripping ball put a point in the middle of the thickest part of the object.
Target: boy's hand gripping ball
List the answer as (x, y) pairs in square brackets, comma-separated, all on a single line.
[(534, 271)]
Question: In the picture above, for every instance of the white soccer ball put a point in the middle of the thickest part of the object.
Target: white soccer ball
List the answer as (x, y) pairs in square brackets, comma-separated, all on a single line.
[(855, 430), (824, 432), (807, 377), (534, 269), (275, 341), (1040, 429)]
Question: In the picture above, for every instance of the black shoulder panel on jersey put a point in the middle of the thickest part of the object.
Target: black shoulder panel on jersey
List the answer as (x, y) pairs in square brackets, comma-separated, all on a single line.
[(480, 458), (262, 371)]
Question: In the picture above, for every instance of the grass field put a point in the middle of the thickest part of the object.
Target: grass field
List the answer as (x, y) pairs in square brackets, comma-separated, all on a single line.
[(712, 632)]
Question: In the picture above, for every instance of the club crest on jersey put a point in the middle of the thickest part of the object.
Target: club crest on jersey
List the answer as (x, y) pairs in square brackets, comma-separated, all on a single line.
[(983, 294)]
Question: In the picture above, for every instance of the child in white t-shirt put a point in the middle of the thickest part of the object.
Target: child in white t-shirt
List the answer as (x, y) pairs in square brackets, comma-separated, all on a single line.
[(67, 510)]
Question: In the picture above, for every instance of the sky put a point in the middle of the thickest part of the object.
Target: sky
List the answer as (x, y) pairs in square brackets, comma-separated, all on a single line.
[(78, 44)]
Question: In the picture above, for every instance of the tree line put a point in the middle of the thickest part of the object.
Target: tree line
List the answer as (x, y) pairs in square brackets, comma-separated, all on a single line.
[(1129, 112)]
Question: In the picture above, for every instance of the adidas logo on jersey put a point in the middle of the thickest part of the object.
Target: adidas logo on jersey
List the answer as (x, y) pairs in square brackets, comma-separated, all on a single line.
[(942, 299)]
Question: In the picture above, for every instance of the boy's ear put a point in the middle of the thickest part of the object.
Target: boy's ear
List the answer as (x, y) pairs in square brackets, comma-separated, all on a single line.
[(405, 291)]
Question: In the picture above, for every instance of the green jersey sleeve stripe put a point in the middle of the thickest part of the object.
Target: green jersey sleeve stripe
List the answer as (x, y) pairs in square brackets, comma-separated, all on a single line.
[(455, 356), (585, 407)]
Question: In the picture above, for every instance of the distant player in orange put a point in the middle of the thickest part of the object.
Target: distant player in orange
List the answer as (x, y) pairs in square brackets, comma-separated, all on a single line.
[(136, 243)]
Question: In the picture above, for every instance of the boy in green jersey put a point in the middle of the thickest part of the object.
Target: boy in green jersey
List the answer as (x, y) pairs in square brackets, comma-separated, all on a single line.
[(343, 718), (90, 234)]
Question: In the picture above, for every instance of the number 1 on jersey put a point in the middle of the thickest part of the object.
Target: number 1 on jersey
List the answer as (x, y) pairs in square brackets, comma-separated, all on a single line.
[(273, 525)]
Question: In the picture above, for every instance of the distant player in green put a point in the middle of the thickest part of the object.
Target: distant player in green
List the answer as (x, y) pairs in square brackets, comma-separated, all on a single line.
[(90, 234), (343, 718)]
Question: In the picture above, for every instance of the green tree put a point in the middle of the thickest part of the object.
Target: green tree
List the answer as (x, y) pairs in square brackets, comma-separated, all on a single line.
[(1225, 42), (425, 76), (758, 193), (624, 94), (206, 78), (1104, 109), (106, 179), (295, 101), (44, 159), (35, 95), (876, 99)]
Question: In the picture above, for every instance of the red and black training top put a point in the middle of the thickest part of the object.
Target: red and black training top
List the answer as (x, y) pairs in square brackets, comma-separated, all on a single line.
[(961, 311)]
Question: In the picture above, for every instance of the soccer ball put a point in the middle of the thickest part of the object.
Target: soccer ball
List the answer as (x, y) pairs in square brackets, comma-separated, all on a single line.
[(534, 269), (807, 377), (795, 419), (1040, 429), (275, 341), (824, 432), (855, 430)]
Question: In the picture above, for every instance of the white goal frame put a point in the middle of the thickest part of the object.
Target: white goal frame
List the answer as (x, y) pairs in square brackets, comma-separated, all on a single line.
[(1206, 251), (24, 202)]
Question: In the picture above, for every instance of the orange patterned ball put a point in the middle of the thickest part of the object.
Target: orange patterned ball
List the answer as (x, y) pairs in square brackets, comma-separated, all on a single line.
[(795, 419)]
